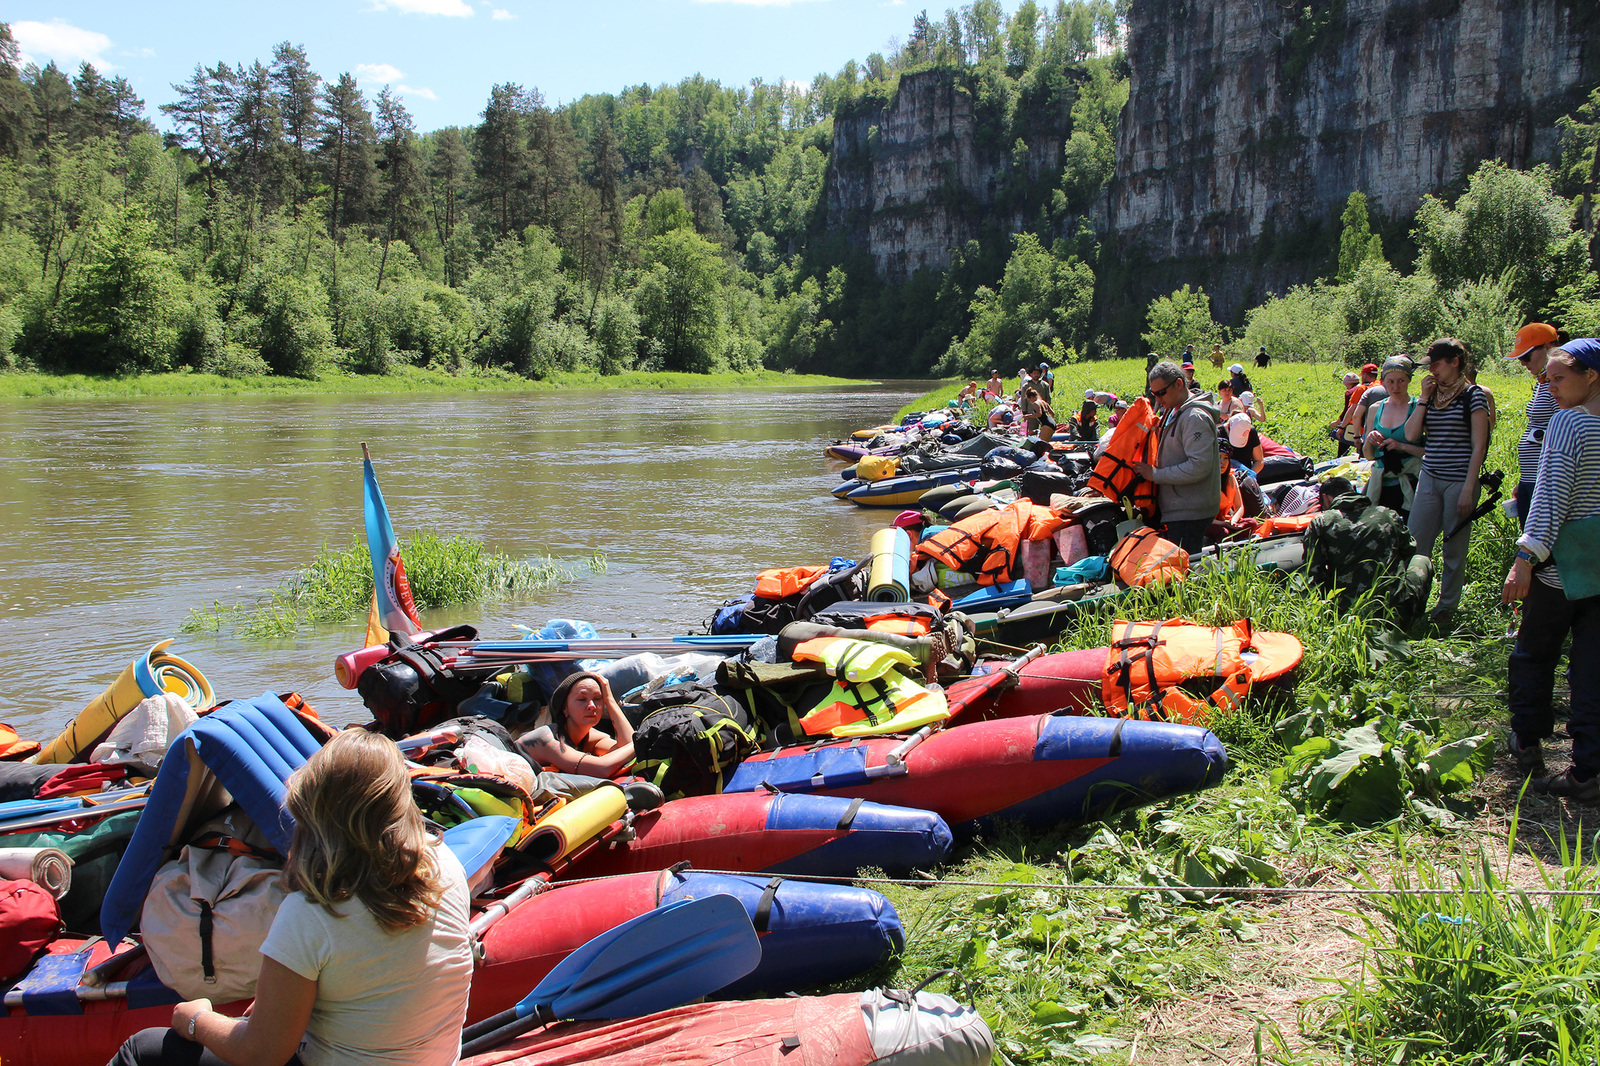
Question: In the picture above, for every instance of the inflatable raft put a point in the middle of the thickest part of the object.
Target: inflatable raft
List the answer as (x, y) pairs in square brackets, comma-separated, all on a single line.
[(1042, 770), (811, 934), (765, 832), (1074, 682), (851, 1029), (901, 491)]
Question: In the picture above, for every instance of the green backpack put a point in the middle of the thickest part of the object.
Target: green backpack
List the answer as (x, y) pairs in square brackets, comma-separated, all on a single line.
[(692, 739), (1356, 549)]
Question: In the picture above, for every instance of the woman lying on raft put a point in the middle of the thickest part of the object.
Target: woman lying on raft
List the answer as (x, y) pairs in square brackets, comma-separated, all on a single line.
[(369, 958), (571, 743)]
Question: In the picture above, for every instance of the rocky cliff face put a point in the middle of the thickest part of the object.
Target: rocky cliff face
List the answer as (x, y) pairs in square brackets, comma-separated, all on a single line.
[(1249, 120), (911, 180)]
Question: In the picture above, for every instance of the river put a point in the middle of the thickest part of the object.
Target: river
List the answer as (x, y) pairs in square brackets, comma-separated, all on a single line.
[(117, 517)]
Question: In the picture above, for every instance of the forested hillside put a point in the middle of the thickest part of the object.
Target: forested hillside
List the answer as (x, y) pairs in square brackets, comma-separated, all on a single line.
[(275, 219)]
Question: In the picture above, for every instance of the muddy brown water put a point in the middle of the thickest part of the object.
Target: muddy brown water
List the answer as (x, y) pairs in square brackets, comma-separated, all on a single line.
[(117, 517)]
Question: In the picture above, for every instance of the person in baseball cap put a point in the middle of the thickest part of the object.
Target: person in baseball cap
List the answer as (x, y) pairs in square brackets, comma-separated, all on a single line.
[(1532, 349), (1369, 373)]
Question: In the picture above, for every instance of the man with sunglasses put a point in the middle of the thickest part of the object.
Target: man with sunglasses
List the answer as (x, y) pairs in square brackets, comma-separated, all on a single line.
[(1188, 468), (1534, 343)]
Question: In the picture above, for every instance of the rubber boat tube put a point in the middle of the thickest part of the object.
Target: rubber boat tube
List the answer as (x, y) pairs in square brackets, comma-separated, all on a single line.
[(762, 832), (906, 490), (811, 934), (1043, 770)]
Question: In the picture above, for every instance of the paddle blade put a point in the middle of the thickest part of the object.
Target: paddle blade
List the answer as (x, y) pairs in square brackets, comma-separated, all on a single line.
[(654, 962)]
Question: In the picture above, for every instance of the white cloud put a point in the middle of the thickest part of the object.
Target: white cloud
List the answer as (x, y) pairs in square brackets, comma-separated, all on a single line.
[(68, 45), (501, 14), (424, 92), (378, 73), (448, 8)]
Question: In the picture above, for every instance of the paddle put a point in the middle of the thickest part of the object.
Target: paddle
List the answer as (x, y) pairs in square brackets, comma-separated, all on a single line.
[(653, 962)]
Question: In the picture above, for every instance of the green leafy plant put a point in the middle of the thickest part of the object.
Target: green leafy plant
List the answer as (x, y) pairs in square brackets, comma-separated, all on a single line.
[(1365, 760)]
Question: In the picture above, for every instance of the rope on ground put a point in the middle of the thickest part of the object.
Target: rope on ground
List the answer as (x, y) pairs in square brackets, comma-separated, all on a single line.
[(1086, 887)]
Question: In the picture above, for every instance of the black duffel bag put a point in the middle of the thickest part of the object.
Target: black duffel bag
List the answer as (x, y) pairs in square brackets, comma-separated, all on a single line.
[(411, 689)]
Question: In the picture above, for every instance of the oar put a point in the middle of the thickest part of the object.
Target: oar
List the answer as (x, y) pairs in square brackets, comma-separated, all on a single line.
[(654, 962)]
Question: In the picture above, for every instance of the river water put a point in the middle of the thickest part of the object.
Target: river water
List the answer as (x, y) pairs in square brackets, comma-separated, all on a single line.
[(117, 517)]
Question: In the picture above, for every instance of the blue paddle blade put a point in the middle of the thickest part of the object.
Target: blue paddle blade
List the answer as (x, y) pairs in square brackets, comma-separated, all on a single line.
[(477, 841), (654, 962)]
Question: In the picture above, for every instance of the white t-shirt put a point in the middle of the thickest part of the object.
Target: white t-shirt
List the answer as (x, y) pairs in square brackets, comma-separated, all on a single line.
[(381, 997)]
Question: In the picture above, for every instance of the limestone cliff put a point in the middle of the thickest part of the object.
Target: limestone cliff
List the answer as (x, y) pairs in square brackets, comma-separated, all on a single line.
[(912, 178), (1250, 121)]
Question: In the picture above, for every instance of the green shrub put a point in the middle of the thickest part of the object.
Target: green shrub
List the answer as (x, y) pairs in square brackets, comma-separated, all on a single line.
[(295, 337)]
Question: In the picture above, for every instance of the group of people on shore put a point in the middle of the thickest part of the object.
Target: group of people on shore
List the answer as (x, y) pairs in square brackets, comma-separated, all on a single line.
[(1428, 441)]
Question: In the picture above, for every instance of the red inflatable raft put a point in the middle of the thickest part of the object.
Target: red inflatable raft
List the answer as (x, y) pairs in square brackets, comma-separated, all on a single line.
[(811, 935), (844, 1030), (1080, 681), (1042, 770)]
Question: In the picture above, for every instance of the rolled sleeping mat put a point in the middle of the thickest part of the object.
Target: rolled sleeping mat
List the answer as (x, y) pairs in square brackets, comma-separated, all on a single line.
[(49, 868), (151, 674), (956, 505), (889, 576), (574, 824)]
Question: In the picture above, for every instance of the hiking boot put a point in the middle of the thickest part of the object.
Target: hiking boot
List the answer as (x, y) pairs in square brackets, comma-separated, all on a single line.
[(1528, 754), (1443, 621), (1568, 786), (642, 796)]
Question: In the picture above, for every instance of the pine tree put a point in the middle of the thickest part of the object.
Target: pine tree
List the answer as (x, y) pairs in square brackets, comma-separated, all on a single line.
[(400, 174), (296, 86), (344, 152), (1355, 236), (200, 113), (500, 156), (16, 103), (449, 170)]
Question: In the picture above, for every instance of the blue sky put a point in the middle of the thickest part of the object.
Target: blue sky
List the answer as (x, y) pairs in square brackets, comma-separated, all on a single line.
[(443, 55)]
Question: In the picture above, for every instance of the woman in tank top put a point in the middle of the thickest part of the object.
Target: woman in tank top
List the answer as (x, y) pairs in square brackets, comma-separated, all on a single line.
[(1396, 457)]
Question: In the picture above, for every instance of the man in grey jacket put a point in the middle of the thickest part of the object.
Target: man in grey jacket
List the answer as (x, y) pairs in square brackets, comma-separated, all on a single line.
[(1188, 468)]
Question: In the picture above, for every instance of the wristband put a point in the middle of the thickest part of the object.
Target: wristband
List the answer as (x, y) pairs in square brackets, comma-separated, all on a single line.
[(193, 1018), (1525, 555)]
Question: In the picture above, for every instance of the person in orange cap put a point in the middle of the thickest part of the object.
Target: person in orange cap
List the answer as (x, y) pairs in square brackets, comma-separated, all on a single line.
[(1533, 346)]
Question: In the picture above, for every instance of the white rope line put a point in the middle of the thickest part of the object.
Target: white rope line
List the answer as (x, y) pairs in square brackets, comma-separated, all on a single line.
[(1085, 887)]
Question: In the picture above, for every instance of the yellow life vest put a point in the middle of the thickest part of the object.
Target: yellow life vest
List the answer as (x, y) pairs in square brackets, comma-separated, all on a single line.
[(870, 695)]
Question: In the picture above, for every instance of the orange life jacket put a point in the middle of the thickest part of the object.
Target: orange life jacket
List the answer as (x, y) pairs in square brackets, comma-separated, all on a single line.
[(786, 581), (1133, 441), (1293, 523), (987, 543), (1147, 661), (13, 746), (1231, 499), (1145, 557)]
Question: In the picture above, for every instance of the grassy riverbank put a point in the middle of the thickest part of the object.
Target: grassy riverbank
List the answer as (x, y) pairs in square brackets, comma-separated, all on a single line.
[(1396, 778), (32, 385)]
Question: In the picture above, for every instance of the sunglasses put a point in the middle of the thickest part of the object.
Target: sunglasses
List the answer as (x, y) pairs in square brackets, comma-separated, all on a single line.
[(1525, 358)]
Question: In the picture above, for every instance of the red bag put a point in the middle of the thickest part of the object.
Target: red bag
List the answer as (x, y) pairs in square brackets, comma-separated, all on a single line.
[(29, 920)]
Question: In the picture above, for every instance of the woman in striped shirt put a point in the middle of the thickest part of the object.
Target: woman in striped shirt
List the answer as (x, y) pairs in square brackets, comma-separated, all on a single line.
[(1566, 493), (1453, 418), (1533, 346)]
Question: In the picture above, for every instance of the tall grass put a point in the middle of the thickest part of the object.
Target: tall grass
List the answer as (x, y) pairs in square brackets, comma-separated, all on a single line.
[(1473, 970), (337, 585)]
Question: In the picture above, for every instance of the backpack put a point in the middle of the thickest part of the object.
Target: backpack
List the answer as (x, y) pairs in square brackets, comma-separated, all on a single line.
[(207, 912), (730, 616), (412, 688), (691, 738), (1355, 555), (29, 920)]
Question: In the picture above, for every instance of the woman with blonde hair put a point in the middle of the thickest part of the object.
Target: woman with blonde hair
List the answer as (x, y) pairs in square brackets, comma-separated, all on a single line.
[(369, 958)]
